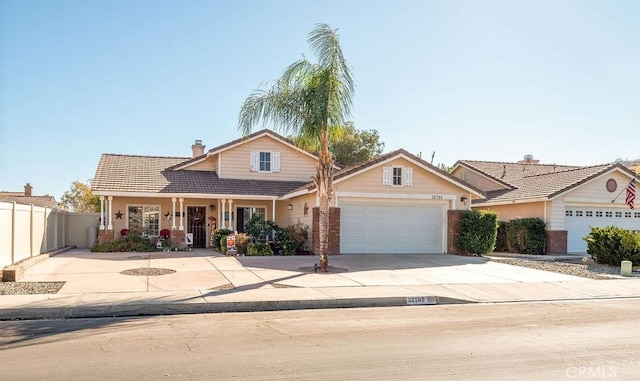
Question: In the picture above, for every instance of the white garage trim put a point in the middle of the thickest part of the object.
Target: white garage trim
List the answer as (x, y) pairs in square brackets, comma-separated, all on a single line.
[(398, 225)]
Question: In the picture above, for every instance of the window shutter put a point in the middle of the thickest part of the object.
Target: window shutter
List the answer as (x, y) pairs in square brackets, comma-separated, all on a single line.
[(275, 157), (408, 177), (253, 165), (386, 176)]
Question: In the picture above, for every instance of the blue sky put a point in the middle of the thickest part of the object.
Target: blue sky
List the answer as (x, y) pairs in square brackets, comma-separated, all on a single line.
[(481, 80)]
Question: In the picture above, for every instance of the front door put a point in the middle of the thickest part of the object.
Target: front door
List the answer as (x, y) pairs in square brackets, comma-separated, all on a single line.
[(196, 225)]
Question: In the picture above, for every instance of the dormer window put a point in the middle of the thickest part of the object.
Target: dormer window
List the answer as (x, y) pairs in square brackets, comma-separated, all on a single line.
[(265, 161)]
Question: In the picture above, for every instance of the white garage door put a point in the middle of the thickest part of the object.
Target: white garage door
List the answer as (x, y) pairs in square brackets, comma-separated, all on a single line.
[(391, 227), (578, 221)]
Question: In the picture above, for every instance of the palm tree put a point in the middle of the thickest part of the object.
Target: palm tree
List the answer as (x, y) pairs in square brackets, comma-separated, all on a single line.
[(311, 101)]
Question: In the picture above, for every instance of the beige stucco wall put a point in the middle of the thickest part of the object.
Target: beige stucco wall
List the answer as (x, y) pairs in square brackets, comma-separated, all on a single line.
[(513, 211), (294, 165), (477, 180), (424, 183)]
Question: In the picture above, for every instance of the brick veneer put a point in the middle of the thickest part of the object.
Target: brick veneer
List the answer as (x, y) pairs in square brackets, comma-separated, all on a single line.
[(105, 236), (334, 231), (556, 242), (453, 217), (177, 238)]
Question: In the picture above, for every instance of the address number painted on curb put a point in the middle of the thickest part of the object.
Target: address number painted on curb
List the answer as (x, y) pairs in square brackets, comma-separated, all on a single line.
[(411, 300)]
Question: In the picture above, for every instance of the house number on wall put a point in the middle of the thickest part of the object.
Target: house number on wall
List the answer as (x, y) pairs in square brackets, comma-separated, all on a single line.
[(437, 197)]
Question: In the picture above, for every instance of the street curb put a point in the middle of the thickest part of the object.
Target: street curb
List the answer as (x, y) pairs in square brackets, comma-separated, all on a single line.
[(146, 309)]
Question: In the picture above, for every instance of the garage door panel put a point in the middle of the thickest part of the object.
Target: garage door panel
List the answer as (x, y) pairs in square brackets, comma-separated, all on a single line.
[(400, 227), (579, 220)]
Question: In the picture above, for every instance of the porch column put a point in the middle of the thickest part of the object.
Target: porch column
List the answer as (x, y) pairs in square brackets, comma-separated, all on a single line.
[(110, 224), (223, 222), (173, 213), (102, 224), (181, 213), (231, 224), (273, 209)]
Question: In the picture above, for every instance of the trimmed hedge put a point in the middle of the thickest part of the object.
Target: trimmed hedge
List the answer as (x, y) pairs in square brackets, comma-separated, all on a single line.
[(477, 231), (526, 236), (611, 245), (259, 249), (130, 242)]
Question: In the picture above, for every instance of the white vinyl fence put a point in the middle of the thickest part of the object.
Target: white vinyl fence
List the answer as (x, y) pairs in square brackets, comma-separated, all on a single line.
[(28, 230)]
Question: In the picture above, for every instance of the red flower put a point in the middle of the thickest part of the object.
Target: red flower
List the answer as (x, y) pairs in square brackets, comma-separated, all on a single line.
[(124, 232), (165, 233)]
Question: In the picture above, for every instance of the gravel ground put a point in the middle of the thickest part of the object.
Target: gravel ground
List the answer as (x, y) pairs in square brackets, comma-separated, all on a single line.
[(585, 270), (29, 288)]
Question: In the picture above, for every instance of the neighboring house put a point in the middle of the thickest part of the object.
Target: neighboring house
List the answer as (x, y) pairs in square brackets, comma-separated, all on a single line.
[(28, 198), (397, 203), (569, 199)]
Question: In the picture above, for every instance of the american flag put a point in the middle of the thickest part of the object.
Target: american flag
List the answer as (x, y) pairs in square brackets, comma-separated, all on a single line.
[(631, 193)]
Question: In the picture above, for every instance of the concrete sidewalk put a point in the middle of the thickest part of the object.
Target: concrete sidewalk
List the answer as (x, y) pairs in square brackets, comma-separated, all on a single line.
[(205, 281)]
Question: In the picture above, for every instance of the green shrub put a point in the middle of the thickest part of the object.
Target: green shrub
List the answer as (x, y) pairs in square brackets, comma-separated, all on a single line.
[(477, 231), (132, 242), (218, 234), (611, 245), (262, 230), (223, 244), (294, 237), (526, 236), (502, 244), (259, 249), (290, 248)]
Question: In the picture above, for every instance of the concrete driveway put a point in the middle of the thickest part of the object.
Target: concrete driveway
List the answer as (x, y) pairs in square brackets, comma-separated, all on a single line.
[(205, 281)]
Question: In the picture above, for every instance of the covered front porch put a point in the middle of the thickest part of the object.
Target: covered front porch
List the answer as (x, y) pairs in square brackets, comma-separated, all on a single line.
[(190, 220)]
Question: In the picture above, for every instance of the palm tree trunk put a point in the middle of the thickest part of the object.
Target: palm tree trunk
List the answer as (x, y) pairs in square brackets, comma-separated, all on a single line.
[(324, 184)]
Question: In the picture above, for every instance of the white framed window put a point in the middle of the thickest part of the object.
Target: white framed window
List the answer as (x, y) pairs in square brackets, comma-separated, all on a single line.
[(588, 213), (608, 214), (578, 213), (397, 176), (599, 214), (264, 161), (618, 214), (636, 214), (627, 214), (568, 213), (144, 219)]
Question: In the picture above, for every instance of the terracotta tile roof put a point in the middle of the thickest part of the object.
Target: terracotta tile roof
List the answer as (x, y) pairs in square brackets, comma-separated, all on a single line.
[(361, 166), (529, 181), (150, 174)]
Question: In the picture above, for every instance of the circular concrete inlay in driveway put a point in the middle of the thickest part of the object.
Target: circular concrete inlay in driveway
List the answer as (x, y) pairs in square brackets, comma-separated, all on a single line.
[(147, 271)]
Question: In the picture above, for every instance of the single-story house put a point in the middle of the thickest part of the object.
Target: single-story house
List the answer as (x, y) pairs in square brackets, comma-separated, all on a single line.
[(570, 199), (397, 203)]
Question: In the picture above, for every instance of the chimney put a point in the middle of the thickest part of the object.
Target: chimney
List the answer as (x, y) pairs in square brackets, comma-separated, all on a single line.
[(28, 190), (197, 148), (528, 159)]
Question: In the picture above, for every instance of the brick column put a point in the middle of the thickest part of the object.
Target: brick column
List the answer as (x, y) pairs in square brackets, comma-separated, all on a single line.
[(453, 219), (105, 236), (556, 242), (177, 238), (334, 231)]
